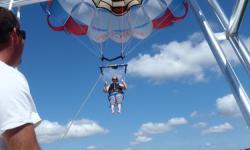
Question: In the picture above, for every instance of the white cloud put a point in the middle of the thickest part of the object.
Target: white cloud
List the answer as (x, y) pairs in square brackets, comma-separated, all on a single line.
[(147, 129), (218, 129), (200, 125), (128, 148), (91, 147), (208, 144), (83, 128), (156, 128), (227, 106), (141, 139), (176, 60), (194, 114), (48, 132)]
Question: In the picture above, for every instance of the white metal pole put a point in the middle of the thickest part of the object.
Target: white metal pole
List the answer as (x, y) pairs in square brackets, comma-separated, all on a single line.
[(15, 3), (18, 13), (225, 66), (219, 13), (237, 16), (11, 4), (239, 47)]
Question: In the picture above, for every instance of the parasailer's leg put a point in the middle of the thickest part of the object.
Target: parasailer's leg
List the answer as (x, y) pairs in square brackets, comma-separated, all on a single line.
[(119, 108), (113, 109), (112, 103), (119, 98)]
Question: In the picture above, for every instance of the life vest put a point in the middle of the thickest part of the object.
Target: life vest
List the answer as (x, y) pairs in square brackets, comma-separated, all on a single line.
[(115, 87)]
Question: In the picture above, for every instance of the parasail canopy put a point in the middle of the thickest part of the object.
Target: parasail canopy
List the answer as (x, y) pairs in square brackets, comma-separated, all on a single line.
[(118, 20)]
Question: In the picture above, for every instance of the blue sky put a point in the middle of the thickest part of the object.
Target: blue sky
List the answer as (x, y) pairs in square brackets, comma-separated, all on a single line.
[(177, 96)]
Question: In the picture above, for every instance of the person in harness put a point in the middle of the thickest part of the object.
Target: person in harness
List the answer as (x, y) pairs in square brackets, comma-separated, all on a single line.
[(115, 93)]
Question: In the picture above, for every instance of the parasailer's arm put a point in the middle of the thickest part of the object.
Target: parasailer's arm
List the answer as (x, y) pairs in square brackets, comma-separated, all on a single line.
[(124, 85), (106, 87)]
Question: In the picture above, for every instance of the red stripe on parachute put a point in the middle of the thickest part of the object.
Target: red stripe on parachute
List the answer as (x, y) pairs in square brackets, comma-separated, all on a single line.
[(168, 18), (70, 26)]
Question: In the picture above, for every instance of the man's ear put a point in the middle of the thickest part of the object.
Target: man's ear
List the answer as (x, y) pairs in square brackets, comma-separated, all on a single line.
[(13, 35)]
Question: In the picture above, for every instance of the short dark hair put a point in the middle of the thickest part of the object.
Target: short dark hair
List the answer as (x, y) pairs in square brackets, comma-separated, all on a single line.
[(8, 21)]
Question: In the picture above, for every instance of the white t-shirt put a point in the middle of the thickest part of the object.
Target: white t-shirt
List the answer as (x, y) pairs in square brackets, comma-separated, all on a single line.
[(16, 104)]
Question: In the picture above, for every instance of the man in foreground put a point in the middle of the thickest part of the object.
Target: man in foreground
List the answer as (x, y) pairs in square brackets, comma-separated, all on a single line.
[(18, 115)]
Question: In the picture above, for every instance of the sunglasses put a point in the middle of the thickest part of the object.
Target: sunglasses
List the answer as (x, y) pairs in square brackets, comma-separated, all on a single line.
[(22, 33)]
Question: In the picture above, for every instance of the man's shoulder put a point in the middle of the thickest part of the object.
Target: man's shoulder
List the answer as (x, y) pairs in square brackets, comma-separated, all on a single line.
[(11, 77), (8, 72)]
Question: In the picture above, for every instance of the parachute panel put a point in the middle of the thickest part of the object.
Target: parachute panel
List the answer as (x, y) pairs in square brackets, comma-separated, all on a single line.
[(99, 28), (83, 13), (154, 8), (141, 25)]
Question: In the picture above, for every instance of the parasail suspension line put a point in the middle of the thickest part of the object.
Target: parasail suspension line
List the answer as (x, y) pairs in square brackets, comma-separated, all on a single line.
[(85, 100)]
